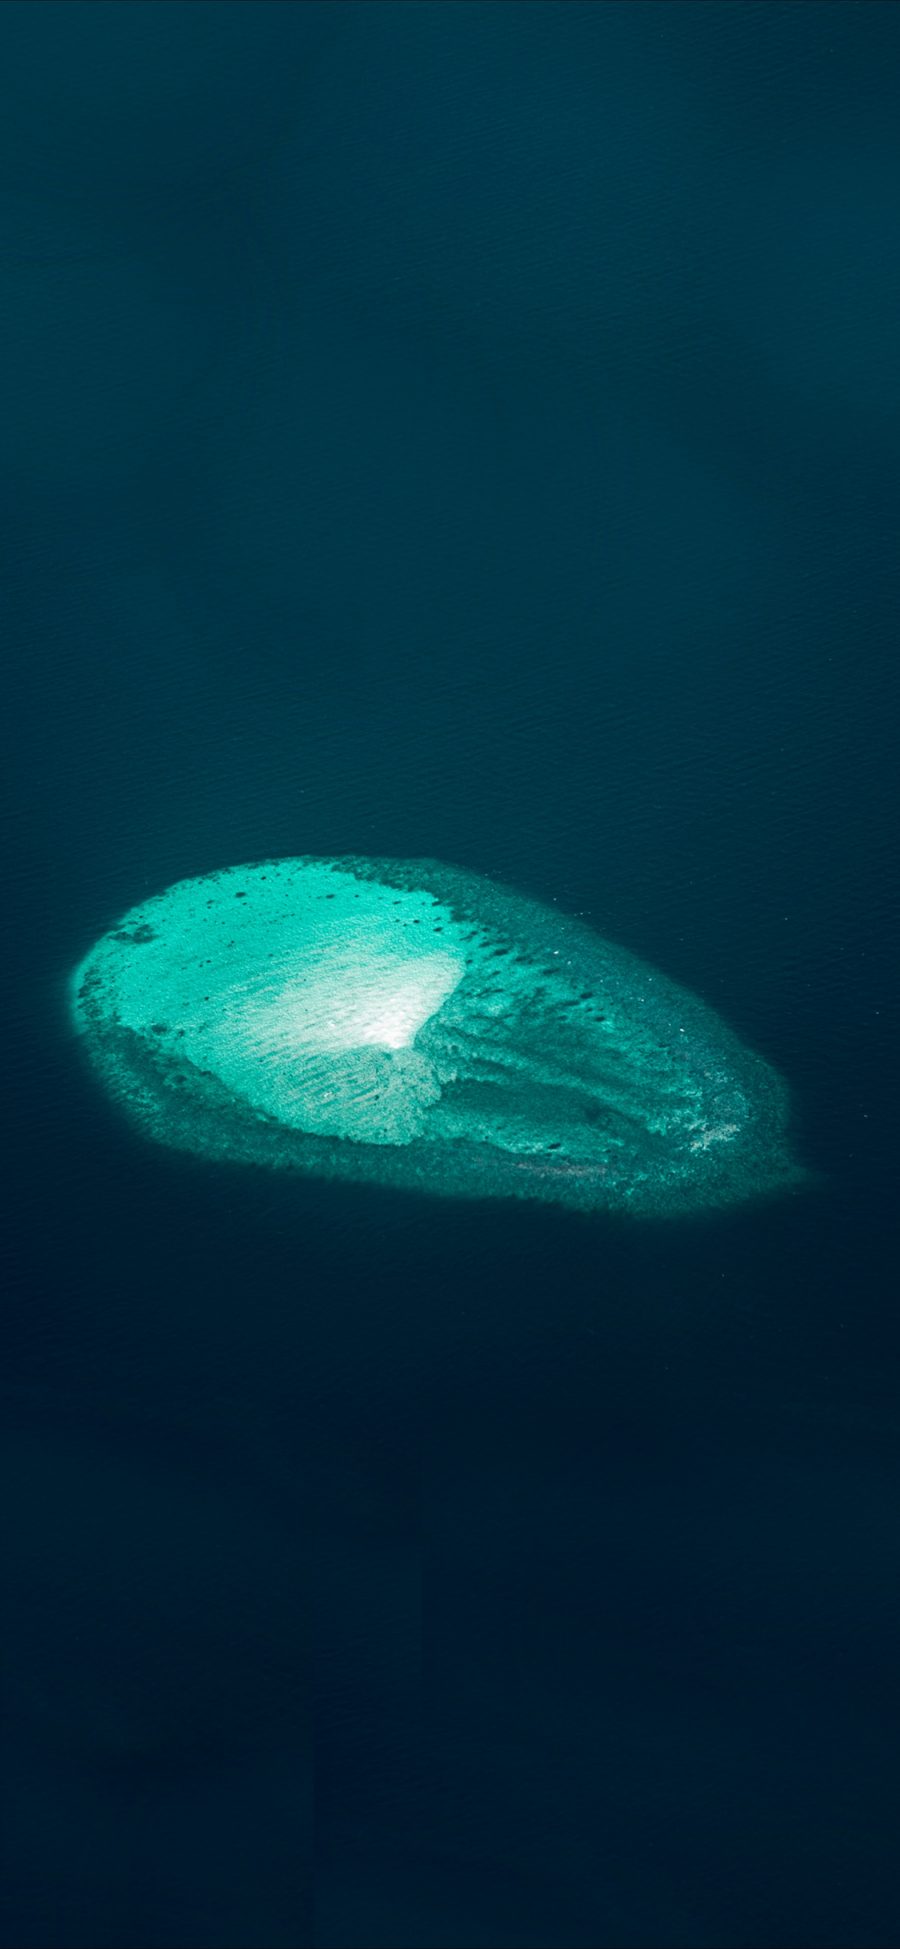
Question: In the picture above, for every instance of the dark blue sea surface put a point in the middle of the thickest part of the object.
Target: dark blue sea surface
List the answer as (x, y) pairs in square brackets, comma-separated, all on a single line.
[(466, 431)]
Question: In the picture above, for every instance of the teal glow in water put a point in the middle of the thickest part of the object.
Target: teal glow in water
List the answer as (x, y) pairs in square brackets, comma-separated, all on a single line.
[(414, 1025)]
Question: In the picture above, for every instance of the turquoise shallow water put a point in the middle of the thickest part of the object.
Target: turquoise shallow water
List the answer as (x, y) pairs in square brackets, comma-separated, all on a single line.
[(459, 433), (398, 1022)]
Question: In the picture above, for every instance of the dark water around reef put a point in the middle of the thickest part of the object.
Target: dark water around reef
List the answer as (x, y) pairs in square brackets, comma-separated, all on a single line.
[(469, 431)]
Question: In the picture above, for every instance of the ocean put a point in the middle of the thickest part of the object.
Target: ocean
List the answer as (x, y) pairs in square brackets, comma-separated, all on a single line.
[(470, 432)]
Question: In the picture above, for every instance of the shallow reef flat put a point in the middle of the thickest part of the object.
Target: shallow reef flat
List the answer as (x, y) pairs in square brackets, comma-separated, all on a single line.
[(415, 1025)]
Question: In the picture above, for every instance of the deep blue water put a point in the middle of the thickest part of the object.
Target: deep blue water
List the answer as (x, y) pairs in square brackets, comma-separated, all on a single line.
[(471, 431)]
